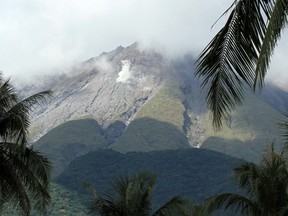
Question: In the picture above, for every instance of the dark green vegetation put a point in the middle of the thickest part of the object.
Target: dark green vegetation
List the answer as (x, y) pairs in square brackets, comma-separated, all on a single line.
[(193, 173), (69, 141), (24, 173), (63, 203), (146, 134), (130, 196), (264, 186)]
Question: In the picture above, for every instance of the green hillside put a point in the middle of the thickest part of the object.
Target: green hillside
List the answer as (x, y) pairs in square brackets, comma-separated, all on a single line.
[(194, 173), (165, 106), (69, 141), (146, 134), (158, 125), (250, 129)]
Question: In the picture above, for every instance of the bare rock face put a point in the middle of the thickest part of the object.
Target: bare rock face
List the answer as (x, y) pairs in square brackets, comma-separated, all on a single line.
[(108, 88)]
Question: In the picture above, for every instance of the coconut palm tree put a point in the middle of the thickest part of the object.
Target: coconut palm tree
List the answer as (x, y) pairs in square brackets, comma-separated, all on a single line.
[(131, 196), (239, 54), (264, 188), (25, 173)]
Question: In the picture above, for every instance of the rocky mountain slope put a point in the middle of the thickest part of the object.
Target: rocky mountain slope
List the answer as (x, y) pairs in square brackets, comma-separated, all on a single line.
[(143, 102), (111, 87)]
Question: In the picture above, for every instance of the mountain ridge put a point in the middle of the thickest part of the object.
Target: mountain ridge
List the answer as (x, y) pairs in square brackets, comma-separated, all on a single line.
[(118, 88)]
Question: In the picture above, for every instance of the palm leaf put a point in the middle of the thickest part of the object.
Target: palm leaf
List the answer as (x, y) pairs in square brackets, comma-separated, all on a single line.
[(25, 173), (228, 62), (30, 171), (277, 22), (16, 119), (274, 180), (14, 114), (283, 125), (232, 201), (7, 96), (174, 207), (265, 185), (131, 196), (139, 193), (12, 189), (247, 176)]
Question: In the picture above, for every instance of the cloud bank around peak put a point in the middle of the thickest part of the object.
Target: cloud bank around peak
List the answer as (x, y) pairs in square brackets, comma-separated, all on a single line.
[(39, 36)]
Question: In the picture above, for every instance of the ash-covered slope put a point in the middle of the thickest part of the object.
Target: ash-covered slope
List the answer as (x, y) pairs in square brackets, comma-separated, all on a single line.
[(143, 102), (109, 88)]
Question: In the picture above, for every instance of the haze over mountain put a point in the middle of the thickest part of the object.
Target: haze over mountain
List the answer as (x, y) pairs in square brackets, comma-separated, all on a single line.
[(144, 102)]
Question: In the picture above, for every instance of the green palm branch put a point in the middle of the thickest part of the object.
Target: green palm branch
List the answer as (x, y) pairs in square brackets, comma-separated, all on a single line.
[(14, 114), (25, 173), (264, 186), (131, 196), (175, 206), (239, 54), (194, 209), (283, 125), (24, 177)]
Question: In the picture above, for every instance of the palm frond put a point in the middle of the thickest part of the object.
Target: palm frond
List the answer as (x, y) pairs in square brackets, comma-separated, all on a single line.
[(98, 203), (12, 189), (31, 170), (25, 173), (17, 117), (247, 176), (196, 209), (277, 22), (14, 113), (228, 62), (174, 207), (283, 211), (132, 196), (232, 201), (7, 96), (138, 194), (274, 180), (283, 125), (265, 185)]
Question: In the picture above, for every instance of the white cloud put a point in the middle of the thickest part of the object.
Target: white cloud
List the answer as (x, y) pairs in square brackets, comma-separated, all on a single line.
[(103, 65), (40, 36)]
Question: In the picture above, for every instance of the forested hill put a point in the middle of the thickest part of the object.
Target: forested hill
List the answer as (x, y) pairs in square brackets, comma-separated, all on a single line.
[(194, 173)]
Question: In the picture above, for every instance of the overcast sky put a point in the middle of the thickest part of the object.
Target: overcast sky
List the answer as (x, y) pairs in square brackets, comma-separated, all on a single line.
[(43, 36)]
